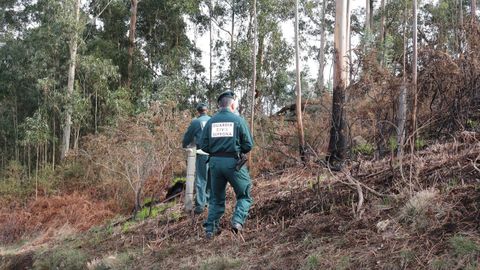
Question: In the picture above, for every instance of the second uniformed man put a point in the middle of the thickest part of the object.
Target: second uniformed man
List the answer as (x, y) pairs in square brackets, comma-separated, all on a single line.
[(225, 137), (193, 136)]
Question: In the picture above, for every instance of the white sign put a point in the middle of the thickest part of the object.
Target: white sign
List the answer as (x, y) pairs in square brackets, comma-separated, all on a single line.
[(224, 129)]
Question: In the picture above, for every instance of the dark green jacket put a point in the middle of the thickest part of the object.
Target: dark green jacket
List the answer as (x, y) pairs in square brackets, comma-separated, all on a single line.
[(226, 132), (194, 131)]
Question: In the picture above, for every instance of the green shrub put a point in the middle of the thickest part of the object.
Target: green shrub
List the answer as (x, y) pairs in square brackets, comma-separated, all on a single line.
[(472, 123), (420, 143), (365, 149), (61, 259), (392, 143)]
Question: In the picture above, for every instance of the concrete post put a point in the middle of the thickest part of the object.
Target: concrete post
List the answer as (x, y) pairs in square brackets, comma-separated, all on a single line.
[(191, 156)]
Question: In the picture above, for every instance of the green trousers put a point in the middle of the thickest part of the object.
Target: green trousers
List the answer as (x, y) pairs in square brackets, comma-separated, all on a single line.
[(202, 183), (222, 170)]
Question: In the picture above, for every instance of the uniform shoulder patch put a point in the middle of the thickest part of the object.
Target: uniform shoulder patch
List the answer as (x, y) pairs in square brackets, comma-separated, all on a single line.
[(222, 129)]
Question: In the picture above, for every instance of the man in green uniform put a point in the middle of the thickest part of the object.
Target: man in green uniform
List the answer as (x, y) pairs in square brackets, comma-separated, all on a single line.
[(193, 136), (225, 137)]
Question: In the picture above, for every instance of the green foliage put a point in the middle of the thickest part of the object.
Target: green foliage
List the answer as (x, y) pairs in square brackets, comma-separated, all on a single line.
[(179, 180), (15, 181), (392, 143), (127, 226), (364, 148), (35, 129), (312, 262), (464, 246), (420, 143), (220, 263), (472, 124), (61, 258), (176, 215), (119, 105), (440, 264), (71, 170)]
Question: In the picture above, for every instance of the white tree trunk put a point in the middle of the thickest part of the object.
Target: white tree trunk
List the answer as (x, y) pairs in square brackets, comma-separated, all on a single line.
[(131, 43), (414, 67), (70, 84), (254, 66), (321, 54), (254, 76), (232, 40), (301, 136), (402, 98), (211, 45), (348, 48), (367, 16), (382, 32), (474, 12)]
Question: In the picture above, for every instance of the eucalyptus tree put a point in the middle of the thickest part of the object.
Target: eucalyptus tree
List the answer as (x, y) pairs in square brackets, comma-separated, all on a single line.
[(73, 44), (298, 86), (473, 10), (337, 143)]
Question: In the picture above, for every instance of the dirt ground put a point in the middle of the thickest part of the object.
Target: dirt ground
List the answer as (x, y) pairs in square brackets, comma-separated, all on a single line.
[(419, 213)]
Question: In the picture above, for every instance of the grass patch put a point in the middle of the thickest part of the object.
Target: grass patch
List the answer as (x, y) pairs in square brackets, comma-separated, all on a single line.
[(72, 259), (313, 262), (463, 246), (220, 263), (421, 209), (343, 263), (441, 264)]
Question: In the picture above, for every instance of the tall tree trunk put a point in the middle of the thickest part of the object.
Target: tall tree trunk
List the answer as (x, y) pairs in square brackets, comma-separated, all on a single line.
[(301, 135), (337, 143), (15, 128), (131, 44), (402, 98), (96, 111), (368, 27), (474, 12), (254, 74), (348, 42), (70, 84), (260, 56), (210, 48), (254, 66), (461, 13), (460, 27), (320, 85), (36, 172), (382, 32), (232, 39), (53, 142), (371, 5), (414, 69)]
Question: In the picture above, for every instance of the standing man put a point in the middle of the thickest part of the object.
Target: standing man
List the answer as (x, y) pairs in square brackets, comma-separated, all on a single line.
[(193, 136), (226, 136)]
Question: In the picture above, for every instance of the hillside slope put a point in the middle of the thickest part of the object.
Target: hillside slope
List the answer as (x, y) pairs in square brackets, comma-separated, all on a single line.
[(421, 213)]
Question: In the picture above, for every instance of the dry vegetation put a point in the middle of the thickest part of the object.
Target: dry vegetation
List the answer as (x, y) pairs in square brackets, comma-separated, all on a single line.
[(379, 212)]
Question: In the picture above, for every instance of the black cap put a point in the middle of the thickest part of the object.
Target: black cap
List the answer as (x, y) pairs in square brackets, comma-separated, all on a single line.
[(227, 93), (201, 106)]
